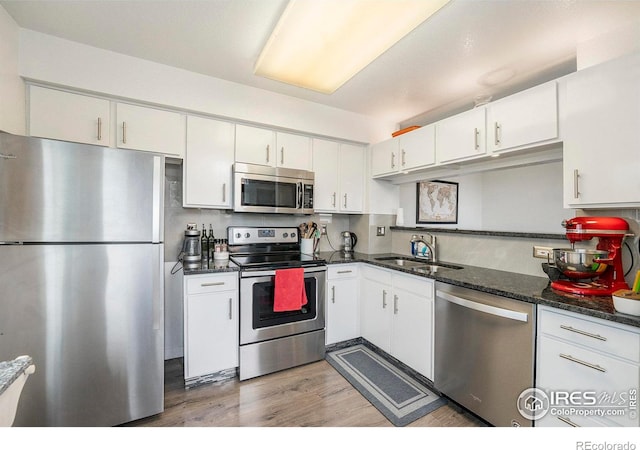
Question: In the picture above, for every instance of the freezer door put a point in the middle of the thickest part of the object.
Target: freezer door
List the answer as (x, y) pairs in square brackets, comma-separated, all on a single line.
[(91, 316), (55, 191)]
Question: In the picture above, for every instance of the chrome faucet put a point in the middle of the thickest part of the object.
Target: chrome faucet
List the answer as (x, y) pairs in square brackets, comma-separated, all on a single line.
[(431, 246)]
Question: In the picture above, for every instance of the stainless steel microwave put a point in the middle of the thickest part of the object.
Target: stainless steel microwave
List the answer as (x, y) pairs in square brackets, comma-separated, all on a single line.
[(265, 189)]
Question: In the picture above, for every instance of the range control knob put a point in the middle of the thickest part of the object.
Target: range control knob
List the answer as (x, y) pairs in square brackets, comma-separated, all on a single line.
[(285, 235), (292, 235), (247, 235), (238, 235)]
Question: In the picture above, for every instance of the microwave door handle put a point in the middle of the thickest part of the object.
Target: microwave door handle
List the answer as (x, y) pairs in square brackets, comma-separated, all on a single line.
[(299, 195)]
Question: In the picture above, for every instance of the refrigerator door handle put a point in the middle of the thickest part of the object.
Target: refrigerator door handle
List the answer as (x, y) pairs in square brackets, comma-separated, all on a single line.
[(158, 199)]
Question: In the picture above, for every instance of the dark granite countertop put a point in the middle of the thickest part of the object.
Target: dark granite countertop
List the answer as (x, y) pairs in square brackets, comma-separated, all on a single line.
[(218, 267), (527, 288), (11, 370)]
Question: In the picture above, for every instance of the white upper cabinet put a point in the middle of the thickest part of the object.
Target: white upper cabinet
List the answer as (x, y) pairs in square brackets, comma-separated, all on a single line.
[(384, 158), (207, 164), (70, 117), (461, 137), (149, 129), (255, 145), (417, 148), (601, 143), (339, 176), (266, 147), (523, 119)]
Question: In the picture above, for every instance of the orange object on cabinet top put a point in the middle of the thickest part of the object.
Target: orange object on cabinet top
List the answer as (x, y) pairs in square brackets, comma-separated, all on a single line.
[(404, 130)]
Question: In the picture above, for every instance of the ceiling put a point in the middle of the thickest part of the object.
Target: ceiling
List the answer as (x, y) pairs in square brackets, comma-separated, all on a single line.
[(467, 49)]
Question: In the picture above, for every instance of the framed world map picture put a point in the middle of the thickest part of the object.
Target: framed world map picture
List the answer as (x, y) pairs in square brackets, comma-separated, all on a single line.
[(436, 202)]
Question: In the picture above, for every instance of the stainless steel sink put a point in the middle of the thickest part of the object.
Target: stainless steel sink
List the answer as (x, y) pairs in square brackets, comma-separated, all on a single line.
[(416, 264)]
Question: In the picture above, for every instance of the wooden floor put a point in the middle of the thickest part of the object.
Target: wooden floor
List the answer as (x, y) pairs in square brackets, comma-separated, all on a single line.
[(314, 395)]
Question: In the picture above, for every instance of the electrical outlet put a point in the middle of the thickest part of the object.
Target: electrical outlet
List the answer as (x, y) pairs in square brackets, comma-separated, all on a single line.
[(380, 231), (542, 252), (323, 229)]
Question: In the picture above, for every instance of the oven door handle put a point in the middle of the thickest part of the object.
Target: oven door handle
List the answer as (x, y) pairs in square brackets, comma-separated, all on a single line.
[(272, 273)]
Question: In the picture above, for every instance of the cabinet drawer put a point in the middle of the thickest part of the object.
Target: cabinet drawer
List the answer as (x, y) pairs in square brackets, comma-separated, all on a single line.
[(342, 271), (380, 275), (207, 283), (570, 368), (593, 333)]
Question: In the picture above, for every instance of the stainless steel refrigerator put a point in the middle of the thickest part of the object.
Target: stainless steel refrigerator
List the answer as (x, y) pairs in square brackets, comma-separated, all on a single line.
[(81, 280)]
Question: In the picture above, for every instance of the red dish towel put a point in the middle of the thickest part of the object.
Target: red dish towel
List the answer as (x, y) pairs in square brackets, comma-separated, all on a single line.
[(289, 292)]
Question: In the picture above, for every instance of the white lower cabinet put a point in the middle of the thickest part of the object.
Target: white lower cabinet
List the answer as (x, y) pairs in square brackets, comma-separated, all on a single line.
[(342, 303), (211, 323), (589, 368), (396, 315)]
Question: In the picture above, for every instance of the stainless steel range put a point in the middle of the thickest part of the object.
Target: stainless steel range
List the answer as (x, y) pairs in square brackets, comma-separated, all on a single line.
[(270, 340)]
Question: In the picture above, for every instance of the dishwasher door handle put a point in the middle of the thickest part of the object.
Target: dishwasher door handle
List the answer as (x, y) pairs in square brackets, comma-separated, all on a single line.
[(493, 310)]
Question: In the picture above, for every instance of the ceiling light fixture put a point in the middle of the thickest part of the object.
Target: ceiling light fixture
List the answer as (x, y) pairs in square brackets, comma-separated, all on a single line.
[(320, 45)]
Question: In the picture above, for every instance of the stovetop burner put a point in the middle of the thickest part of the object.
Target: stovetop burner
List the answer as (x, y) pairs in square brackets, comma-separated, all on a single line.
[(254, 248)]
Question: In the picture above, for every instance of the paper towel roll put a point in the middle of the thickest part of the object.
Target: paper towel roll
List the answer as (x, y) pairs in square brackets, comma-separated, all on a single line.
[(400, 217)]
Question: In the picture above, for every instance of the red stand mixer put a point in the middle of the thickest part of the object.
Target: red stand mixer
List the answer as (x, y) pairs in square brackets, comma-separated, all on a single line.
[(590, 272)]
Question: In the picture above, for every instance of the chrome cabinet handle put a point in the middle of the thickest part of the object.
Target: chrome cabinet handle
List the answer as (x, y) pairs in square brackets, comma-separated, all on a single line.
[(267, 152), (384, 299), (217, 283), (393, 160), (9, 156), (345, 200), (230, 308), (567, 421), (476, 135), (584, 363), (282, 155), (333, 294), (224, 192), (334, 200), (99, 129), (497, 130), (395, 304), (403, 157), (576, 175), (124, 132), (584, 333)]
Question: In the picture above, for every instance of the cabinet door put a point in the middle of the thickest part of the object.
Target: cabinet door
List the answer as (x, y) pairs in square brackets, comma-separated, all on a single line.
[(342, 310), (207, 163), (351, 175), (325, 162), (418, 148), (375, 313), (71, 117), (600, 135), (412, 325), (294, 151), (523, 119), (461, 136), (211, 330), (148, 129), (384, 158), (255, 145)]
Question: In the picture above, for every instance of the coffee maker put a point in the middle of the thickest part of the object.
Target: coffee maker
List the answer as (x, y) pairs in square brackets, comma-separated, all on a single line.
[(190, 254), (596, 272)]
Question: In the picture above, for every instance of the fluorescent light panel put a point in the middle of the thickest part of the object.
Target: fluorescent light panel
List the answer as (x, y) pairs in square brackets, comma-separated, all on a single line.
[(321, 44)]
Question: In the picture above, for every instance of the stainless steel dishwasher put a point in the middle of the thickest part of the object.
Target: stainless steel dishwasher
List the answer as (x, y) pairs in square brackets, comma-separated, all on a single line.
[(484, 352)]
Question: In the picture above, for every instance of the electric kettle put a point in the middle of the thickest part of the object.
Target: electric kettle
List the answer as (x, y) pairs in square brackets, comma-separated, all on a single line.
[(349, 241)]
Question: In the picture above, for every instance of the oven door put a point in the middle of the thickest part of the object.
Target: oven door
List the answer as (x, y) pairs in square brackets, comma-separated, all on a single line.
[(258, 321)]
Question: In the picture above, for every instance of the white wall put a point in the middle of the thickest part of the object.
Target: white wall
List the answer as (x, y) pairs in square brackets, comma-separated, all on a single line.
[(58, 61), (11, 86)]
